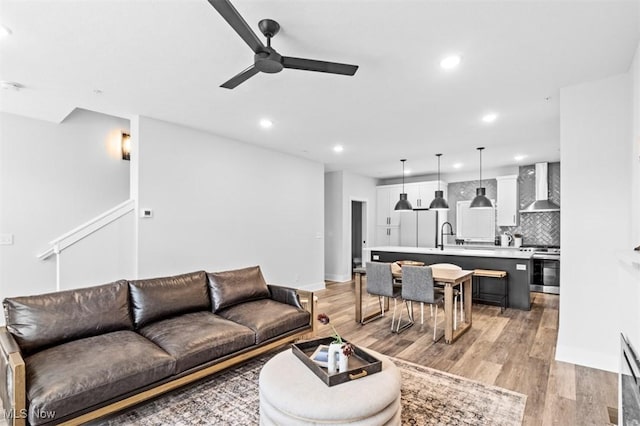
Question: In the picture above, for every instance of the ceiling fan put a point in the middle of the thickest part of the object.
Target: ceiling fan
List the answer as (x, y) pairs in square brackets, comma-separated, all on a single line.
[(266, 59)]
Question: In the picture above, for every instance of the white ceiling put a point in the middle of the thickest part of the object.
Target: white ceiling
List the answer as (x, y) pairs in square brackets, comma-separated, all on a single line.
[(166, 58)]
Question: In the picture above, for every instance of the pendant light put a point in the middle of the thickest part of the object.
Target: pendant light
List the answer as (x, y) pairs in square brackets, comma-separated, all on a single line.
[(481, 201), (439, 203), (403, 203)]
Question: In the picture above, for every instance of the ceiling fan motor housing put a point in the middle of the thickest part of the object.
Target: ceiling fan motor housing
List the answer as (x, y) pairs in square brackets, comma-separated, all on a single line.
[(268, 61)]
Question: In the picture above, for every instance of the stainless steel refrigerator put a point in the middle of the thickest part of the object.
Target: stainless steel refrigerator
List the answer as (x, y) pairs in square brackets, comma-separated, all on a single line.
[(418, 228)]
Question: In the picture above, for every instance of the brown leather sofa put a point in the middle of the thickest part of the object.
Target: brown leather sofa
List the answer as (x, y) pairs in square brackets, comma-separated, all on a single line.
[(73, 356)]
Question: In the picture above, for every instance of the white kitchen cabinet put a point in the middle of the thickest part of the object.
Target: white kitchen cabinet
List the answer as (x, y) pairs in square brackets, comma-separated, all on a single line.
[(388, 219), (420, 194), (475, 224), (387, 235), (386, 198), (507, 204)]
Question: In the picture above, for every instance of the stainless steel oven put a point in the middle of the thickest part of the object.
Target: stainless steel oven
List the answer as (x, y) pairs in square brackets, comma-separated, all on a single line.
[(545, 269), (629, 385)]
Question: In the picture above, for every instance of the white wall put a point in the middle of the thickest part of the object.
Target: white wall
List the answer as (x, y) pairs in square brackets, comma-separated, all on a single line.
[(595, 135), (635, 158), (106, 255), (54, 177), (220, 204), (629, 261), (340, 189), (333, 227)]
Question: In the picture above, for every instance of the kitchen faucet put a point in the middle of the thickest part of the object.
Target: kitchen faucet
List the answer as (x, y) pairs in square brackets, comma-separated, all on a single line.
[(442, 234)]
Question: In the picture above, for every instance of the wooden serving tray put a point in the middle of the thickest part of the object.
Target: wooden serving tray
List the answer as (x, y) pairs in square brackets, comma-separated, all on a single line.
[(361, 363)]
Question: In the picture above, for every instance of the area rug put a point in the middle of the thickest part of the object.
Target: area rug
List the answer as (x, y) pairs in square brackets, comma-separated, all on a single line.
[(429, 397)]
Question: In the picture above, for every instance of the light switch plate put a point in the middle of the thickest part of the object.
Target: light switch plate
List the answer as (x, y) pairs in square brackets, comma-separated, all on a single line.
[(521, 267), (6, 239)]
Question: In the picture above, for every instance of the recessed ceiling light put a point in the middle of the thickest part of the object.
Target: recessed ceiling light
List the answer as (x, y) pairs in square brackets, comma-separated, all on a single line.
[(489, 118), (450, 62), (4, 31), (338, 148), (457, 165), (266, 123), (407, 172), (519, 157)]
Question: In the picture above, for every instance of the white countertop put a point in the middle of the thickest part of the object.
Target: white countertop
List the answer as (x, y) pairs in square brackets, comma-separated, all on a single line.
[(630, 257), (503, 252)]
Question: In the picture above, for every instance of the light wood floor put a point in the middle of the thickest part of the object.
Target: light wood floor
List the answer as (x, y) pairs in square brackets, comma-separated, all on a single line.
[(514, 350)]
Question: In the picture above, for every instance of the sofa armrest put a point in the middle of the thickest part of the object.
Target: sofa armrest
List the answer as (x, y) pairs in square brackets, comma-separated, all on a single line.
[(309, 302), (302, 299), (12, 380), (286, 295)]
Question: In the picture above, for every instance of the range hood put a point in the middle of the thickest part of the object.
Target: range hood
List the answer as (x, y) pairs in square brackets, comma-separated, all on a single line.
[(542, 203)]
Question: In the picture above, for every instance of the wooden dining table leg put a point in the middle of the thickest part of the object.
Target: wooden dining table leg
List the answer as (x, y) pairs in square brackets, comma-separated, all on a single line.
[(467, 301), (448, 313), (358, 297)]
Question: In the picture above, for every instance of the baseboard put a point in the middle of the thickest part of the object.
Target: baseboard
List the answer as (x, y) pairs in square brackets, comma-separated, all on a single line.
[(598, 360), (338, 278)]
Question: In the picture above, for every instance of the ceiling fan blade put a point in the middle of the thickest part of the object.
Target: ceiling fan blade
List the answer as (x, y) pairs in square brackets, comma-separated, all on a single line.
[(241, 77), (231, 15), (321, 66)]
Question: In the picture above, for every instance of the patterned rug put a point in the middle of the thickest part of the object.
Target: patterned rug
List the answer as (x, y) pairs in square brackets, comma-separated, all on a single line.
[(429, 397)]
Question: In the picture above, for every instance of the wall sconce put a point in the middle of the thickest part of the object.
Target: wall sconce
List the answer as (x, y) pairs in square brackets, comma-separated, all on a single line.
[(126, 146)]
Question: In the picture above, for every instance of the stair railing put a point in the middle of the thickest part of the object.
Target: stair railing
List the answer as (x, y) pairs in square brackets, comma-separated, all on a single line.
[(68, 239)]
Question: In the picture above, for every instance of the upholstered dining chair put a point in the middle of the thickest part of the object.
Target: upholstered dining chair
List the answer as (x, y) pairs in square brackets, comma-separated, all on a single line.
[(457, 294), (418, 286), (380, 283)]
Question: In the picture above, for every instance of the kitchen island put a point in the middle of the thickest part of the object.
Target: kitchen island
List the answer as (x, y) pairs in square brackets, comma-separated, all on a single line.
[(516, 263)]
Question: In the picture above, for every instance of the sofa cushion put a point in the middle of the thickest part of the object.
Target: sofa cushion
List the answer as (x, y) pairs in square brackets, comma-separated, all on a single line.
[(195, 338), (79, 374), (44, 320), (232, 287), (267, 317), (160, 298)]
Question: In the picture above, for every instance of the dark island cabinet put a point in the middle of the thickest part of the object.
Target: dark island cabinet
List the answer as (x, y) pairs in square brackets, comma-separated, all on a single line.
[(518, 271)]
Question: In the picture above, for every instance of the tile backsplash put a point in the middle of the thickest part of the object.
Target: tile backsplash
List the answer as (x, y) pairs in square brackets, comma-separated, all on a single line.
[(536, 228), (461, 191)]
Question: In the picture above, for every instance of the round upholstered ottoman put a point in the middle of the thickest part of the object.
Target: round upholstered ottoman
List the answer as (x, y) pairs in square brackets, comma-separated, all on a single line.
[(291, 394)]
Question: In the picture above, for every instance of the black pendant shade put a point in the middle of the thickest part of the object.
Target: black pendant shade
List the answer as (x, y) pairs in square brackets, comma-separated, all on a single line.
[(439, 203), (403, 203), (481, 201)]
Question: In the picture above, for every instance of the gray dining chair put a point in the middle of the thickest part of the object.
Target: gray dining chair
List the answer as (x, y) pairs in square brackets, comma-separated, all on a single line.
[(418, 286), (380, 283)]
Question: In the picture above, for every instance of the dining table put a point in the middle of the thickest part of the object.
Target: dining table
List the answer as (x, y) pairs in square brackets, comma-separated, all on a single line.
[(450, 278)]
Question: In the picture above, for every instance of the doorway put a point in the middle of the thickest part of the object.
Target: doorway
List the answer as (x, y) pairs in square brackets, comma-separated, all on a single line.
[(358, 232)]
